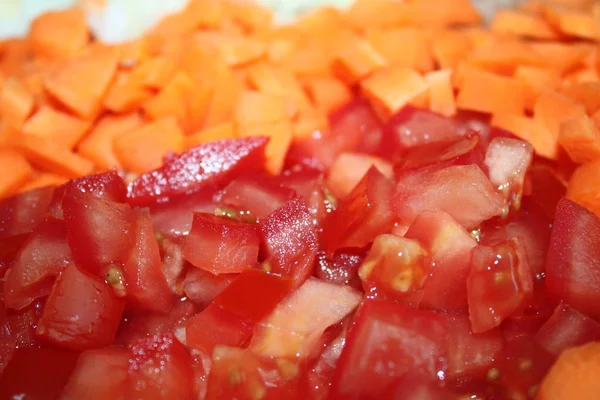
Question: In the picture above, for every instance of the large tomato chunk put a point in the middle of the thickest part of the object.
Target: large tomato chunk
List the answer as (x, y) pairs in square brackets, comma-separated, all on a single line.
[(546, 188), (109, 186), (449, 246), (573, 261), (101, 232), (385, 342), (566, 328), (21, 213), (221, 245), (321, 372), (295, 326), (349, 169), (160, 368), (361, 216), (395, 267), (99, 374), (499, 284), (41, 259), (208, 163), (308, 184), (464, 192), (289, 236), (145, 283), (81, 312)]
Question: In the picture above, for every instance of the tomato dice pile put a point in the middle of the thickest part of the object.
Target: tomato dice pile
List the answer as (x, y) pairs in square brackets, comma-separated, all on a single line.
[(424, 258)]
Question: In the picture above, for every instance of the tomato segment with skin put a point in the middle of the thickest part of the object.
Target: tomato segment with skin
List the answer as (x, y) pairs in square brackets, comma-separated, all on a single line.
[(201, 286), (21, 213), (109, 186)]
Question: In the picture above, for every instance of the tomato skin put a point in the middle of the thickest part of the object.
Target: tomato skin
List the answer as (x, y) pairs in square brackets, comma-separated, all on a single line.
[(385, 342), (101, 232), (573, 261), (20, 214), (99, 374), (361, 216), (212, 162), (289, 237), (42, 257), (108, 185), (81, 313), (221, 245), (37, 373), (145, 283)]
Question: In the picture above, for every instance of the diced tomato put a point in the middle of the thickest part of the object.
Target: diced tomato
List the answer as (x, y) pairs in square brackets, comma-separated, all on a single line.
[(257, 195), (573, 261), (213, 162), (566, 328), (108, 186), (239, 374), (449, 247), (396, 268), (145, 283), (464, 192), (321, 372), (385, 342), (214, 326), (55, 208), (361, 216), (309, 184), (221, 245), (36, 373), (342, 267), (242, 298), (546, 188), (201, 287), (173, 265), (160, 368), (8, 345), (37, 264), (98, 375), (414, 387), (9, 247), (21, 213), (81, 312), (101, 232), (349, 169), (499, 284), (21, 325), (295, 326), (290, 240)]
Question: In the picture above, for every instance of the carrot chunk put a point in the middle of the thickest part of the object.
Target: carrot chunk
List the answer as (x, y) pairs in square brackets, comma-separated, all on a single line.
[(580, 137), (280, 138), (357, 60), (16, 102), (415, 51), (59, 34), (47, 155), (61, 128), (19, 168), (519, 23), (328, 94), (489, 93), (441, 94), (217, 132), (535, 81)]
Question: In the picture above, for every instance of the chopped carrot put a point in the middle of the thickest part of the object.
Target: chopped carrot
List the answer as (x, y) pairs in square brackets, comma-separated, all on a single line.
[(249, 13), (573, 22), (59, 34), (515, 22), (440, 91), (450, 47), (574, 375), (486, 92), (586, 94), (357, 60), (438, 13), (171, 101), (98, 145), (20, 171), (377, 13), (143, 149), (235, 50), (217, 132), (270, 79), (154, 73), (280, 139), (225, 94), (391, 89), (259, 108), (535, 81), (309, 124), (415, 51), (521, 126), (561, 57), (16, 102), (82, 83), (49, 156), (580, 137), (349, 168), (133, 53), (9, 134), (61, 128), (44, 179), (583, 186), (328, 94), (502, 56), (125, 94)]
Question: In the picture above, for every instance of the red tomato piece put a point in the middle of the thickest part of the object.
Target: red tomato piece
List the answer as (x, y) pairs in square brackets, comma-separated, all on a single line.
[(55, 208), (499, 284), (101, 232), (361, 216), (573, 261), (546, 188), (7, 349), (293, 329), (320, 373), (201, 287), (349, 169), (212, 162), (99, 374), (19, 214), (160, 368), (108, 185), (396, 268), (290, 240), (81, 312), (464, 192), (414, 387), (36, 373), (21, 325), (342, 267), (221, 245), (566, 328), (173, 266), (145, 283), (257, 195), (214, 326), (308, 184), (243, 299), (385, 342), (449, 246), (37, 264)]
